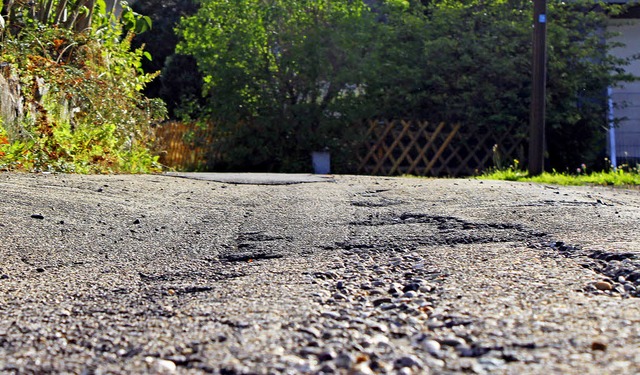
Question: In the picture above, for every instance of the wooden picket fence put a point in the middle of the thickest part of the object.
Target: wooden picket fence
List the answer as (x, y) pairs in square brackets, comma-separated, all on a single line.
[(421, 148)]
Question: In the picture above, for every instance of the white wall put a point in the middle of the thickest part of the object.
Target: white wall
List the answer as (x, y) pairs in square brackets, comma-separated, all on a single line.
[(628, 134)]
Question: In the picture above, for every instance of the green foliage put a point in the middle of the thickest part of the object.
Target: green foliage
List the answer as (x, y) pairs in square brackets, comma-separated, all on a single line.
[(287, 71), (284, 77), (82, 94), (75, 15)]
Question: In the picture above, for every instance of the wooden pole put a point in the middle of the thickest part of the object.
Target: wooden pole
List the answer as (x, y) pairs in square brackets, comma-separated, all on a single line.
[(539, 77)]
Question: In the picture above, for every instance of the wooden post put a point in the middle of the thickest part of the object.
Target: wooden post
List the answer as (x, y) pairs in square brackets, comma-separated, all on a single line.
[(539, 77)]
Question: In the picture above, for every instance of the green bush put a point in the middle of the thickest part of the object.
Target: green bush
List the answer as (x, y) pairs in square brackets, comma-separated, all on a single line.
[(82, 93)]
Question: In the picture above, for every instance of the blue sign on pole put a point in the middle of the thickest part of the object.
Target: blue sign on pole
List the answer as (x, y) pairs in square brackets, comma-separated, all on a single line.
[(542, 18)]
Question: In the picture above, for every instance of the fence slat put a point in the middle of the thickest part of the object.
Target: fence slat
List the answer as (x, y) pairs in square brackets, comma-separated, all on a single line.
[(380, 141), (444, 145), (405, 153), (422, 153)]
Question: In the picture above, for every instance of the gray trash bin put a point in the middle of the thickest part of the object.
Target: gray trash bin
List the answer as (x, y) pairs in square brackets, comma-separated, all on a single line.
[(321, 162)]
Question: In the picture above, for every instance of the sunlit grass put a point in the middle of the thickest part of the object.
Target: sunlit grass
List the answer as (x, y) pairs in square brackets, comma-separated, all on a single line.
[(621, 177)]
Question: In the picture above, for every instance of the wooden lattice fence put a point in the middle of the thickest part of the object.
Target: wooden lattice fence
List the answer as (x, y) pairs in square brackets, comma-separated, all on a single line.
[(425, 149)]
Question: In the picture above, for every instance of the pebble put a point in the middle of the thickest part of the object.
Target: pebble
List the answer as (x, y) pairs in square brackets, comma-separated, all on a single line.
[(380, 301), (598, 345), (339, 296), (410, 294), (603, 285), (431, 346), (311, 350), (411, 287), (344, 360), (161, 366), (395, 289), (311, 331), (453, 341), (326, 356), (407, 361), (361, 369), (330, 315)]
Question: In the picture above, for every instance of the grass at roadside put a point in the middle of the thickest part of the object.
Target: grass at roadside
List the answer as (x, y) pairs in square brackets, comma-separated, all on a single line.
[(622, 177)]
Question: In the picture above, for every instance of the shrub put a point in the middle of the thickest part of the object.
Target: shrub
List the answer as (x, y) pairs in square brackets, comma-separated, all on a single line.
[(82, 93)]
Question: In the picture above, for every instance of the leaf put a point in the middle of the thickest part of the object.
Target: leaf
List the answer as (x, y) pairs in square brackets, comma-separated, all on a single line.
[(143, 24)]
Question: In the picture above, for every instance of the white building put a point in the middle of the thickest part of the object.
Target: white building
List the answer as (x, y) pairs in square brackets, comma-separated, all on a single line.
[(625, 139)]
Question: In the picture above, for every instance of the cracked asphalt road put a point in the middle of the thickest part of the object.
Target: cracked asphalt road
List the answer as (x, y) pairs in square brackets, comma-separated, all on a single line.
[(355, 275)]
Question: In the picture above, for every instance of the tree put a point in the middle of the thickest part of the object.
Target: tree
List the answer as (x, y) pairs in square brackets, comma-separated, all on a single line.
[(287, 70)]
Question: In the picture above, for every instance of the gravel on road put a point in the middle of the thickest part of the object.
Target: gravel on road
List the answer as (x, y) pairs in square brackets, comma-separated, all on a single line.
[(354, 275)]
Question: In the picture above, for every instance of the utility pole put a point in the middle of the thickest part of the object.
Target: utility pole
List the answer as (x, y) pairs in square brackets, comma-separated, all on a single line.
[(539, 79)]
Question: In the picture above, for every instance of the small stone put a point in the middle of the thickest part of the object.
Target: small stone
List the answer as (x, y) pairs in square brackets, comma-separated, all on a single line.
[(339, 296), (410, 294), (311, 350), (40, 269), (380, 301), (161, 366), (411, 287), (340, 285), (136, 221), (326, 356), (491, 363), (453, 341), (37, 216), (431, 346), (328, 368), (178, 359), (344, 360), (603, 285), (311, 331), (407, 361), (361, 369), (465, 350), (4, 277), (628, 287), (387, 306), (330, 315), (395, 289), (380, 340), (621, 279), (598, 345)]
